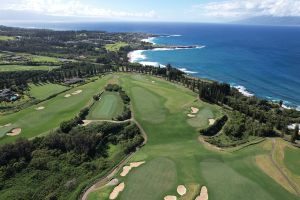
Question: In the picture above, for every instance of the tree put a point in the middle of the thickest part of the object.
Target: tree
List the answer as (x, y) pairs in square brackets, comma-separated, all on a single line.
[(295, 134)]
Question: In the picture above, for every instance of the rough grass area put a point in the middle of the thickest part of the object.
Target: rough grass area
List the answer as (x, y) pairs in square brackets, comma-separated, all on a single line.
[(108, 107), (8, 68), (43, 91), (57, 110), (6, 38), (115, 47)]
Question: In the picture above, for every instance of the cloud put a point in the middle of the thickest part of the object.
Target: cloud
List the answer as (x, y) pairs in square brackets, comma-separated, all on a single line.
[(71, 8), (248, 8)]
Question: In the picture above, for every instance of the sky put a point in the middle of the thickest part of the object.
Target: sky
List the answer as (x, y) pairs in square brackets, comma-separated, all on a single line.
[(218, 11)]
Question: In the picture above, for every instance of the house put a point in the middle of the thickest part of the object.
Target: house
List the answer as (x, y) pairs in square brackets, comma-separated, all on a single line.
[(8, 95)]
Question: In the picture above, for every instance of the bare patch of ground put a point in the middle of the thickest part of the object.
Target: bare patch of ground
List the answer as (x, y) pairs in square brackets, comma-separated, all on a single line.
[(265, 164), (181, 190), (126, 169), (113, 182), (194, 110), (203, 194), (14, 132), (211, 121), (191, 116), (115, 193), (169, 197), (86, 122), (67, 95)]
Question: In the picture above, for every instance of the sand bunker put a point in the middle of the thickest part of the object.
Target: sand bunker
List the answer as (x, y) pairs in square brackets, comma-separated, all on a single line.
[(194, 110), (40, 108), (86, 122), (14, 132), (211, 121), (115, 193), (191, 116), (169, 197), (203, 194), (67, 95), (181, 190), (77, 92), (126, 169)]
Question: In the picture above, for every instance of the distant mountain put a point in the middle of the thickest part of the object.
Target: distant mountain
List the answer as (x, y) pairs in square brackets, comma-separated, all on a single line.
[(270, 20)]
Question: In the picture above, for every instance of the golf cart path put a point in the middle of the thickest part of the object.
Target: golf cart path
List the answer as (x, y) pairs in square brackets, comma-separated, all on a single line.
[(111, 173), (291, 183)]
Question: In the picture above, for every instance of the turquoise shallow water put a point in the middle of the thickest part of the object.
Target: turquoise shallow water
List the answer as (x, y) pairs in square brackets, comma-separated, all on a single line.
[(265, 61)]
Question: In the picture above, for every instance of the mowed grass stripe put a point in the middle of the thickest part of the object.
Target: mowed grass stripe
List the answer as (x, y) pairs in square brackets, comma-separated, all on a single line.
[(58, 109), (109, 106), (43, 91), (9, 68)]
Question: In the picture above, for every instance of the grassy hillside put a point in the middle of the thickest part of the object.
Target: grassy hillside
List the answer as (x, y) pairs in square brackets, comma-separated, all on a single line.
[(174, 155), (9, 68), (43, 91)]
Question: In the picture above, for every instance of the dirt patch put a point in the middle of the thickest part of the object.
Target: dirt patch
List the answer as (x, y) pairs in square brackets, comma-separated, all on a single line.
[(169, 197), (265, 164), (115, 193), (86, 122), (203, 194), (113, 182), (77, 92), (181, 190), (211, 121), (14, 132), (126, 169), (194, 110), (40, 108), (67, 95), (191, 116)]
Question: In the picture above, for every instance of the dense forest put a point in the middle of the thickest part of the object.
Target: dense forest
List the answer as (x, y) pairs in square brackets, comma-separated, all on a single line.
[(60, 165)]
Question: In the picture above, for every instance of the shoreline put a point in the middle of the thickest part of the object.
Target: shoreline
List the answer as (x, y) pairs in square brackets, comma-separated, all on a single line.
[(137, 56)]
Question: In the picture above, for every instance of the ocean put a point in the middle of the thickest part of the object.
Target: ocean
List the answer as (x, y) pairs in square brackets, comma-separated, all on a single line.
[(259, 60)]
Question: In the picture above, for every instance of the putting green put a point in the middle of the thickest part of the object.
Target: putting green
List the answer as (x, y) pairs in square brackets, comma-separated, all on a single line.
[(161, 109), (57, 109), (108, 107)]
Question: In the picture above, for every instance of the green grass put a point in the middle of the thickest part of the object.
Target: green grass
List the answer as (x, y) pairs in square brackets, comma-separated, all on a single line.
[(161, 108), (57, 109), (7, 68), (292, 160), (6, 38), (108, 107), (36, 58), (43, 91), (115, 47)]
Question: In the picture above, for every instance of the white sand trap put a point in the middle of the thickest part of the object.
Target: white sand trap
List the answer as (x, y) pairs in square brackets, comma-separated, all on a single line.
[(126, 169), (153, 81), (86, 122), (203, 194), (169, 197), (181, 190), (77, 92), (115, 193), (14, 132), (191, 116), (40, 108), (194, 110), (67, 95), (211, 121)]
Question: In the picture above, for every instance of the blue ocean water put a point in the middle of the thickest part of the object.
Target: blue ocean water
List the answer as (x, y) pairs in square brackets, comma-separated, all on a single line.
[(263, 59)]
